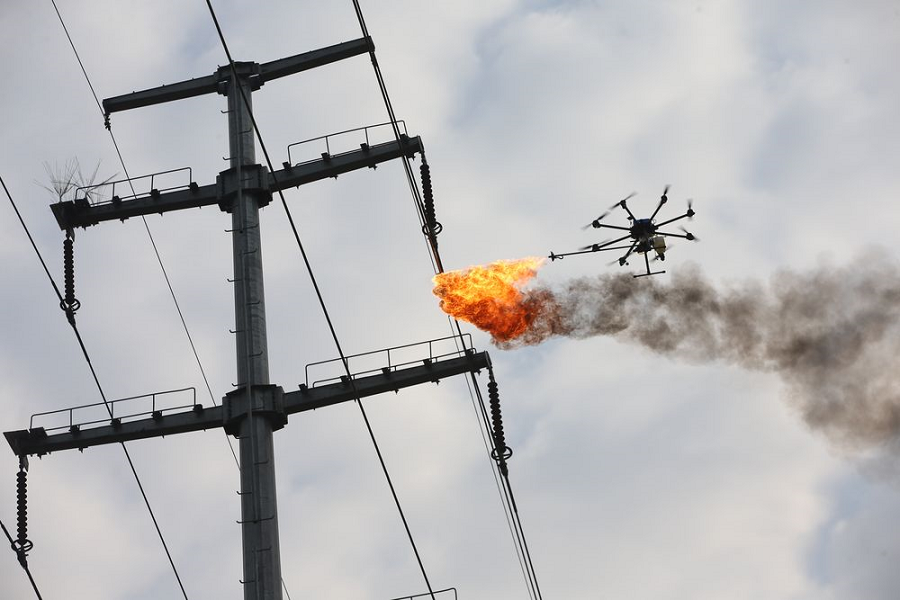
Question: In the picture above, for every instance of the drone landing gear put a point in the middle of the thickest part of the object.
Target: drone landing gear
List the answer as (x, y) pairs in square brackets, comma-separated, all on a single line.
[(648, 273)]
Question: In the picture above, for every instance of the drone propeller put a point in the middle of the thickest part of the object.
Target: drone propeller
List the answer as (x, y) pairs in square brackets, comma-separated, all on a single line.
[(665, 195), (619, 203), (690, 210), (689, 235), (597, 221)]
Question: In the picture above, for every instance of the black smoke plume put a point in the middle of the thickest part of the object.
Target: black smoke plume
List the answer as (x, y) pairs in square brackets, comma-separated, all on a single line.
[(831, 334)]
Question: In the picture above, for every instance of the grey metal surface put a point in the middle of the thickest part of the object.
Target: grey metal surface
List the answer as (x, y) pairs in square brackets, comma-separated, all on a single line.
[(240, 190), (71, 214), (259, 506), (36, 441), (267, 72)]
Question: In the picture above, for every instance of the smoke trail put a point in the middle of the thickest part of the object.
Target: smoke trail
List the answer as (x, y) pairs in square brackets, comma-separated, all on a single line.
[(831, 334)]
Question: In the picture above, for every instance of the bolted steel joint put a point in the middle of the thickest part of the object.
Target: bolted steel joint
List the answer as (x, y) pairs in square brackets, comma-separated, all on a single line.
[(252, 179), (267, 401)]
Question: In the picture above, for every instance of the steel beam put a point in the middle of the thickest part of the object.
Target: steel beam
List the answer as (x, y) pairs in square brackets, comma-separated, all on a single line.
[(266, 72), (389, 381), (80, 213), (334, 165), (37, 441)]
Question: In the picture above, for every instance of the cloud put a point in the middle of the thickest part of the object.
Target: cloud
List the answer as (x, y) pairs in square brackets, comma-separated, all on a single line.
[(635, 476)]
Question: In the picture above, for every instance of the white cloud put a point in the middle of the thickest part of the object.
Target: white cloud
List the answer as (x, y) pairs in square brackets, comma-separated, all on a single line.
[(636, 476)]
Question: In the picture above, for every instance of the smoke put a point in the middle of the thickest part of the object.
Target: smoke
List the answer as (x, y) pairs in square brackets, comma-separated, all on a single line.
[(830, 334)]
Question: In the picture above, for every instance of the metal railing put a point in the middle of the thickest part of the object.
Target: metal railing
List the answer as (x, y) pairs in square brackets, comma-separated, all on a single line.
[(327, 138), (390, 361), (90, 192), (110, 414)]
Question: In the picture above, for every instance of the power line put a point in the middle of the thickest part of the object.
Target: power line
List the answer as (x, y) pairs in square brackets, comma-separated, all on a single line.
[(322, 303), (22, 562), (90, 364), (156, 252), (410, 178), (507, 497)]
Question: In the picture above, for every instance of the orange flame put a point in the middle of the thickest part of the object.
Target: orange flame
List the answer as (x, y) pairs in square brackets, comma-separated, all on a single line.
[(490, 296)]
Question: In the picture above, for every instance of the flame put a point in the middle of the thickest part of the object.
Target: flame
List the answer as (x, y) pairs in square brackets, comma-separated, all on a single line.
[(490, 296)]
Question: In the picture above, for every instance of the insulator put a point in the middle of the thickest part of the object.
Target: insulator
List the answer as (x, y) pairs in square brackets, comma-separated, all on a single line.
[(22, 545), (501, 451), (431, 227), (69, 267), (70, 304)]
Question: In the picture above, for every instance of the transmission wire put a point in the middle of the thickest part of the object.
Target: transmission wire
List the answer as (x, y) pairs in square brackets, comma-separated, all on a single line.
[(87, 358), (22, 563), (438, 265), (324, 309), (144, 220), (153, 243)]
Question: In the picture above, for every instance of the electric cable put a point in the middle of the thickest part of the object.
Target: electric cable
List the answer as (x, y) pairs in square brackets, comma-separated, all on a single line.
[(531, 577), (87, 358), (322, 304), (153, 244), (156, 252), (22, 562), (431, 240)]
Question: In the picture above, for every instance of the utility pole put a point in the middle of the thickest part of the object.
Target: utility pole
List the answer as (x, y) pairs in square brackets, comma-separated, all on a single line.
[(259, 511), (256, 408)]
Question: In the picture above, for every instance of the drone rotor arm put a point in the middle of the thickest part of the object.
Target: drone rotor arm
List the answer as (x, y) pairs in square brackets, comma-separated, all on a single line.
[(678, 235), (630, 214), (627, 254), (662, 200), (604, 245), (599, 225), (591, 248), (685, 215)]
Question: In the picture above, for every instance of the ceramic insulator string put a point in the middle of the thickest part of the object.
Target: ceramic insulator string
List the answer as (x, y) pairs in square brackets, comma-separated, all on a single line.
[(431, 227), (69, 304), (501, 451), (22, 545)]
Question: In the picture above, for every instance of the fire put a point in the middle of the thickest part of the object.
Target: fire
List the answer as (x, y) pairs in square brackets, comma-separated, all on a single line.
[(490, 296)]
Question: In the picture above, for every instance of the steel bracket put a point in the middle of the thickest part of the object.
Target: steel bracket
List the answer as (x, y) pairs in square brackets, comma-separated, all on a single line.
[(251, 179), (268, 401)]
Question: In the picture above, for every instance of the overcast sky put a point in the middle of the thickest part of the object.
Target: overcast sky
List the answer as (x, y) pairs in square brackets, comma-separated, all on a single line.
[(637, 476)]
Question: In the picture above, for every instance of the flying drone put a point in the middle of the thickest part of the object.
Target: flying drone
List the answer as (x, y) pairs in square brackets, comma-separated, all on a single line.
[(645, 234)]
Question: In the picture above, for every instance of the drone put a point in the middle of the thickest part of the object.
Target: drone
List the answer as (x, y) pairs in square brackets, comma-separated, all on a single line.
[(644, 233)]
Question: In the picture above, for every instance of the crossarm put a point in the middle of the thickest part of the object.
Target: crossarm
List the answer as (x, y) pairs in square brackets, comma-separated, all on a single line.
[(81, 213), (37, 441), (388, 381), (266, 72)]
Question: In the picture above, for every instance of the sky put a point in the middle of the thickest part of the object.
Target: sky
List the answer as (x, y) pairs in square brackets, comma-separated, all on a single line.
[(637, 475)]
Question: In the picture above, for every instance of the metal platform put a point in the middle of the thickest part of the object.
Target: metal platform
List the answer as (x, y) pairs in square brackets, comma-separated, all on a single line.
[(396, 371)]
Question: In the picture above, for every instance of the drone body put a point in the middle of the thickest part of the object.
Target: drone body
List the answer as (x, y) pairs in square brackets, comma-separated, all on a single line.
[(644, 235)]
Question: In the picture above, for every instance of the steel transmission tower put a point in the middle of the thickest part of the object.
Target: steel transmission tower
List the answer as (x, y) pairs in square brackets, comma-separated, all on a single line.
[(256, 408)]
